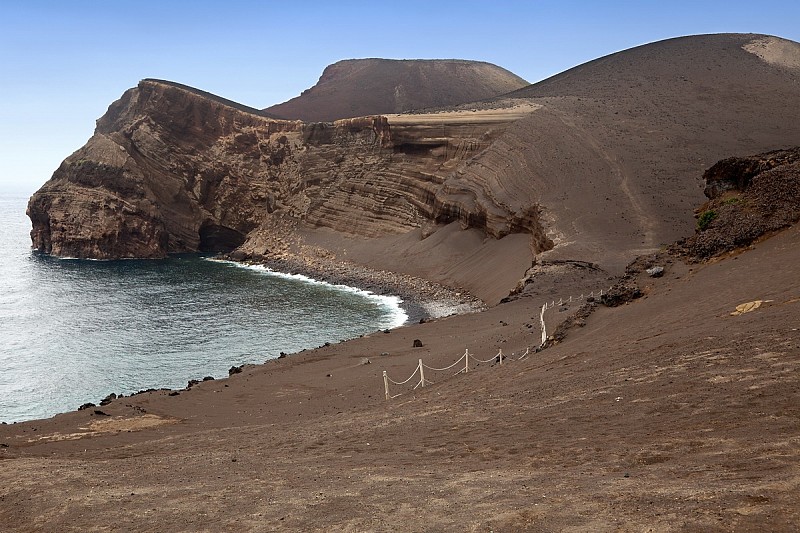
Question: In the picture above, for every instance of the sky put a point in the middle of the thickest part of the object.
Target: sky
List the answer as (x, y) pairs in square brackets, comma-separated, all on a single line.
[(62, 62)]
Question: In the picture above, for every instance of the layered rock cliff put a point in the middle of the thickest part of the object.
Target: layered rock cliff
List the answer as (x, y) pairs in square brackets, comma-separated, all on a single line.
[(170, 169)]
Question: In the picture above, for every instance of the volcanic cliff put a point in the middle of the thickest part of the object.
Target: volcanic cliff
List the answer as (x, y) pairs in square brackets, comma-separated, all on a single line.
[(600, 163)]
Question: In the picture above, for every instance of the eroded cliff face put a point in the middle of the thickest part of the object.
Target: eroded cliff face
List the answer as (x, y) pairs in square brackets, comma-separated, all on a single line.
[(170, 169)]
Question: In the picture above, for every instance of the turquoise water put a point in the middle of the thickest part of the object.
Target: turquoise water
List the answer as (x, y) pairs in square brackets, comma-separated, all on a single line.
[(73, 331)]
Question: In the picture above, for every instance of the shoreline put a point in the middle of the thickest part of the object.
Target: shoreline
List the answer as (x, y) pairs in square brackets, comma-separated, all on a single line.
[(421, 299)]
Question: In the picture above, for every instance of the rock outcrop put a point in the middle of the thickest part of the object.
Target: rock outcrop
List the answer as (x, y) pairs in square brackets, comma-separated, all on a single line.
[(170, 170), (748, 198), (359, 87)]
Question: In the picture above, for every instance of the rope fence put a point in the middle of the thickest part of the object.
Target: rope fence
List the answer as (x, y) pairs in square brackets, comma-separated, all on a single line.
[(467, 357)]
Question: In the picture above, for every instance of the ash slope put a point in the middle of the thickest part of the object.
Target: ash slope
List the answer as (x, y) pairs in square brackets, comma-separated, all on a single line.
[(670, 413), (601, 163), (358, 87)]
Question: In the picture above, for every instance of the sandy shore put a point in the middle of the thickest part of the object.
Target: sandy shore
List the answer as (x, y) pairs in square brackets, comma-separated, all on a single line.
[(421, 299)]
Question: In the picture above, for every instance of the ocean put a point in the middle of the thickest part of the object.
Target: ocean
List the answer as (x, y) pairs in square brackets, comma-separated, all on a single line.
[(73, 331)]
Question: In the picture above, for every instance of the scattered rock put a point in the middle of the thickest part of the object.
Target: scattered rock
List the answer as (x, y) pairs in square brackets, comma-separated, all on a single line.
[(282, 355), (174, 393), (417, 343), (107, 400), (87, 405), (191, 383), (208, 378), (384, 353), (100, 413), (234, 370), (619, 294), (365, 361), (577, 319), (655, 272), (3, 444)]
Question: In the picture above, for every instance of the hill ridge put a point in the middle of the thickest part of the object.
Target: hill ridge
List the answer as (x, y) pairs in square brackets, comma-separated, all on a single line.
[(371, 86)]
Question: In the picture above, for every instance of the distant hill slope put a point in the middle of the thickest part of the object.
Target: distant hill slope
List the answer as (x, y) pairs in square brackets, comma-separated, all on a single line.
[(616, 154), (358, 87)]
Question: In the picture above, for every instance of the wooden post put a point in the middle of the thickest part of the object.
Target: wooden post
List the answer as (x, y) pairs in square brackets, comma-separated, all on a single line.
[(421, 374), (466, 360), (541, 321), (500, 355), (386, 384)]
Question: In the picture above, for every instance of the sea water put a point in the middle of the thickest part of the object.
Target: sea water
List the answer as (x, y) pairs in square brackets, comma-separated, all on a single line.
[(73, 331)]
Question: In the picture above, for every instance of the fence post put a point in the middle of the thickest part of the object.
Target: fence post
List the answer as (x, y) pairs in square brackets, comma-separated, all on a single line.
[(466, 360), (421, 374), (541, 321), (500, 355), (386, 384)]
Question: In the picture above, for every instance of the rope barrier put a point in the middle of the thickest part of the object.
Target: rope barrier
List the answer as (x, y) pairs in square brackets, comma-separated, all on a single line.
[(421, 366), (403, 382), (447, 367), (488, 360), (466, 357)]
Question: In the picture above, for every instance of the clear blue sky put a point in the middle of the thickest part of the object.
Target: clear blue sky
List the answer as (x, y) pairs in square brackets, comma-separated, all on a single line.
[(63, 62)]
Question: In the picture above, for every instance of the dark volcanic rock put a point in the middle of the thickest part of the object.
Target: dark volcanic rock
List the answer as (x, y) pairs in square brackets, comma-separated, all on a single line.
[(619, 294), (108, 399), (736, 173), (748, 197), (575, 320)]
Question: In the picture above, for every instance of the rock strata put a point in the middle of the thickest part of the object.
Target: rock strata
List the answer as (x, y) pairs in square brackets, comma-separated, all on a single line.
[(172, 170)]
